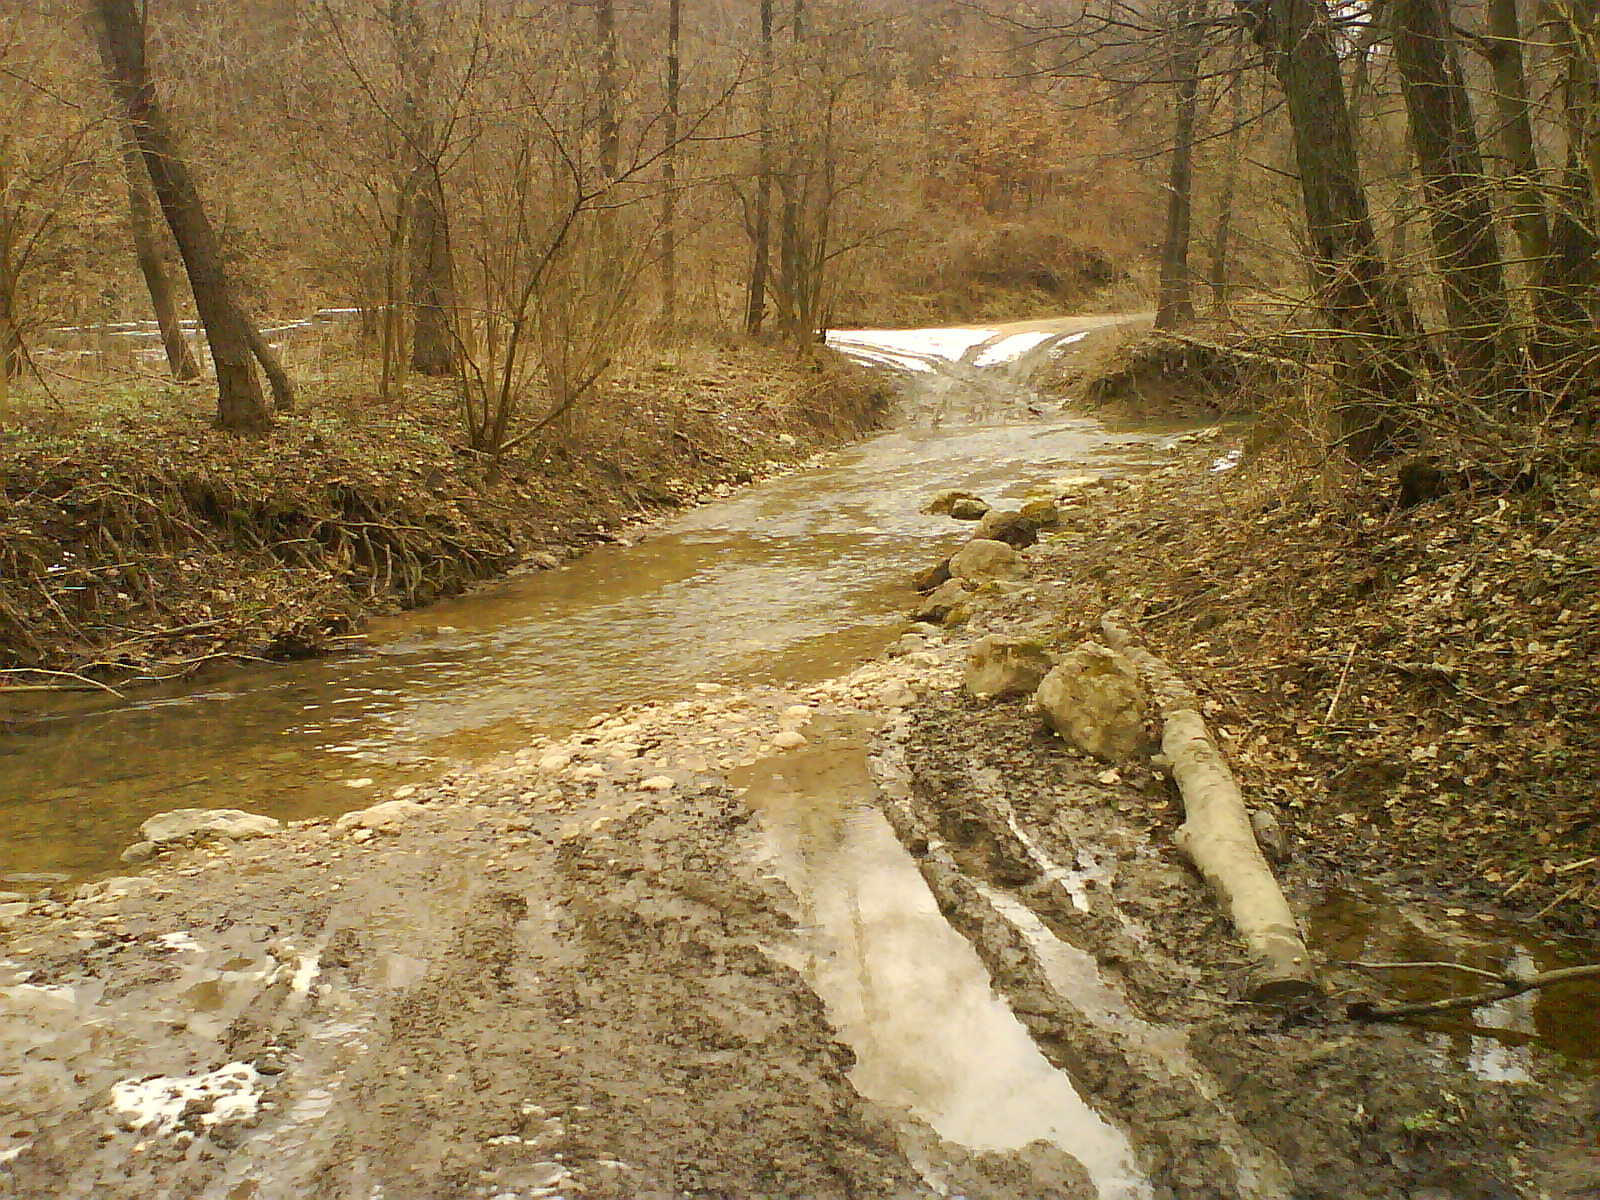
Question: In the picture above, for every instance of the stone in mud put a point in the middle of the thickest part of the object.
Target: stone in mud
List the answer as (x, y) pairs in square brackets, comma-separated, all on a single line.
[(943, 502), (930, 578), (1093, 699), (937, 605), (389, 815), (1006, 666), (1008, 526), (139, 852), (1043, 513), (982, 559), (969, 510), (200, 824)]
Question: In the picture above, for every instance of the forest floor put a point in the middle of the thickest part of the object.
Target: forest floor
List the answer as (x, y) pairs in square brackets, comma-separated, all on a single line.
[(1411, 686), (138, 543), (874, 937)]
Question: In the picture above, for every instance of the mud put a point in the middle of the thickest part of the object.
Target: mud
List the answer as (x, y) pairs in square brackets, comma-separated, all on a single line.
[(863, 937), (667, 957)]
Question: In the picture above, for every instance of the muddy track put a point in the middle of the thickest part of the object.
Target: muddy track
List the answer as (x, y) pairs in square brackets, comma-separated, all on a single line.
[(1049, 872)]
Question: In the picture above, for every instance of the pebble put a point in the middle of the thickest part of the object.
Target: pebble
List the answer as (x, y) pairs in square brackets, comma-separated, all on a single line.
[(657, 783)]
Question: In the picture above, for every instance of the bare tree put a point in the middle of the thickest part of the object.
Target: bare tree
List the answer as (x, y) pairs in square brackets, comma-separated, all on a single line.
[(1369, 315), (1461, 219), (669, 166), (1174, 303), (148, 247), (235, 342), (761, 220)]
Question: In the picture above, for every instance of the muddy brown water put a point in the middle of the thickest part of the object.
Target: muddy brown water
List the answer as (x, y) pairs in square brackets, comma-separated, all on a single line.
[(791, 580)]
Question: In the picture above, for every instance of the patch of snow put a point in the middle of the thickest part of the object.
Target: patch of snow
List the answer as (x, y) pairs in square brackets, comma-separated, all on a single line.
[(180, 939), (1010, 349), (1067, 341), (233, 1093), (899, 362), (1227, 462), (11, 1154), (928, 343)]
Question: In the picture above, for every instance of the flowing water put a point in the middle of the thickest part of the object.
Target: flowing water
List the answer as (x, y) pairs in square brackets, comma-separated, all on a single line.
[(791, 580)]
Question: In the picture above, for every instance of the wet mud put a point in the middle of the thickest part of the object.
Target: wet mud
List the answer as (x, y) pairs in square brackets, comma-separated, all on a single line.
[(846, 936)]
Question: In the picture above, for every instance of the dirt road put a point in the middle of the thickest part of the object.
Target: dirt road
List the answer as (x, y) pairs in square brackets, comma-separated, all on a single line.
[(628, 965)]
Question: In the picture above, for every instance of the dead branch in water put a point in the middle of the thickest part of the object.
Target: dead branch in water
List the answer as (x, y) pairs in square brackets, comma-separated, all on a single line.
[(1510, 985)]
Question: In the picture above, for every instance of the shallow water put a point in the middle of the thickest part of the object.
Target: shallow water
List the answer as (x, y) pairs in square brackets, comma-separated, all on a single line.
[(905, 990), (791, 580)]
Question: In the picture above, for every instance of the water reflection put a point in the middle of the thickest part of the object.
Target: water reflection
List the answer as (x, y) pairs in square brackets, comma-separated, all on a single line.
[(1495, 1041), (906, 991)]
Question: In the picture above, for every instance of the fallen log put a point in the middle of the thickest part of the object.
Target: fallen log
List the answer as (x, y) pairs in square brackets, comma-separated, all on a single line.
[(1217, 835)]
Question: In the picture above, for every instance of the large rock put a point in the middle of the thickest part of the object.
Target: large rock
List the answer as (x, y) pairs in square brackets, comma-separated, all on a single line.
[(982, 559), (201, 824), (1006, 666), (936, 606), (931, 577), (1093, 699), (384, 817), (1008, 526), (969, 509), (944, 503)]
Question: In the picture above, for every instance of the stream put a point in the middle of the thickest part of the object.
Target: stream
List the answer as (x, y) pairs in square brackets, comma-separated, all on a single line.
[(788, 581)]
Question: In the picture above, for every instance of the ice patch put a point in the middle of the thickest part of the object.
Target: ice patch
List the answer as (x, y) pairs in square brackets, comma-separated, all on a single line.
[(230, 1094), (1227, 462), (1011, 348), (180, 939), (928, 343), (900, 362)]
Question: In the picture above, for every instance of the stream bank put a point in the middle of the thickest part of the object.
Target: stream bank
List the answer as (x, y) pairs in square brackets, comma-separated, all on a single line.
[(139, 544)]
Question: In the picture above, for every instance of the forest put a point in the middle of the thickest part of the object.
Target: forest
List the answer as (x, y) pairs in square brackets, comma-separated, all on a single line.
[(516, 197), (800, 597)]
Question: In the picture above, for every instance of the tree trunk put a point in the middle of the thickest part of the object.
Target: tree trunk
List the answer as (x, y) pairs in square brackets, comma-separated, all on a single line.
[(10, 335), (1175, 304), (1573, 268), (610, 114), (1516, 131), (1367, 312), (432, 279), (669, 171), (153, 266), (1223, 235), (1445, 139), (755, 309), (241, 407), (148, 250), (1217, 834)]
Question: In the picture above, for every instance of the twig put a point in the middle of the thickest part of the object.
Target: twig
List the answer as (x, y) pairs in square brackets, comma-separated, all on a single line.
[(1427, 966), (1338, 691), (1514, 985), (80, 683)]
